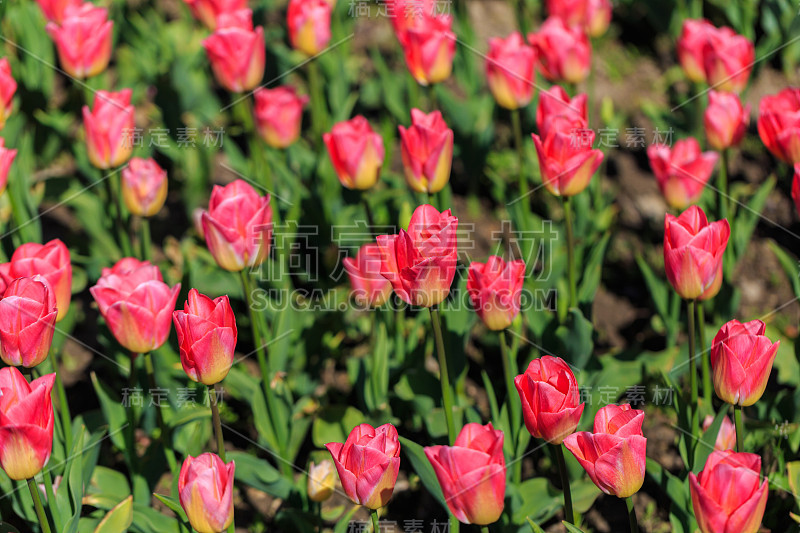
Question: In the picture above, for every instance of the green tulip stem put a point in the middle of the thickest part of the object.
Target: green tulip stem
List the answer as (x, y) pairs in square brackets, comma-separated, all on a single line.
[(37, 504), (146, 239), (484, 529), (212, 399), (705, 355), (51, 499), (63, 405), (573, 286), (444, 378), (569, 514), (376, 525), (516, 123), (318, 112), (722, 184), (512, 398), (632, 514), (737, 421), (693, 368), (164, 436)]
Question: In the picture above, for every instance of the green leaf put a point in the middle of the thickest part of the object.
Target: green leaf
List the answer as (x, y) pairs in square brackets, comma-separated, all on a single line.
[(789, 265), (534, 527), (592, 271), (334, 423), (423, 468), (173, 505), (118, 519), (656, 287), (745, 223), (706, 443), (259, 474), (571, 528)]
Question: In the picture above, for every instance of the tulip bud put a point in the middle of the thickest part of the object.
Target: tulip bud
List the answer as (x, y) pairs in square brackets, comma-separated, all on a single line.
[(510, 70), (691, 46), (368, 463), (7, 156), (238, 226), (563, 53), (728, 60), (566, 159), (594, 16), (420, 263), (472, 474), (309, 23), (370, 288), (728, 495), (550, 395), (725, 120), (613, 455), (495, 289), (693, 251), (726, 437), (554, 103), (205, 489), (207, 11), (278, 114), (206, 337), (52, 262), (682, 171), (356, 152), (321, 481), (27, 316), (779, 124), (427, 151), (53, 10), (8, 86), (83, 40), (144, 187), (429, 48), (109, 127), (26, 423), (236, 51)]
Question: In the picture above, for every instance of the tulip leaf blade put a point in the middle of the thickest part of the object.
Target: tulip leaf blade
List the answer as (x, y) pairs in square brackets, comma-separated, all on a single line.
[(534, 527), (421, 465), (173, 505), (572, 528), (259, 474), (706, 443), (593, 271), (117, 519)]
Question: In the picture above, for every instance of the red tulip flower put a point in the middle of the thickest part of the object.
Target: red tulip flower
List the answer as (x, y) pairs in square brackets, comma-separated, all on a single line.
[(238, 226), (550, 395), (370, 288), (206, 336), (309, 23), (53, 10), (594, 16), (7, 156), (427, 151), (741, 361), (368, 463), (728, 496), (236, 51), (495, 289), (144, 187), (356, 152), (681, 171), (726, 437), (691, 45), (693, 250), (403, 14), (563, 53), (27, 318), (555, 102), (26, 423), (207, 11), (136, 304), (109, 129), (429, 48), (8, 86), (278, 115), (205, 490), (613, 455), (510, 70), (472, 474), (83, 40), (728, 60), (779, 124), (725, 120), (420, 263), (52, 262)]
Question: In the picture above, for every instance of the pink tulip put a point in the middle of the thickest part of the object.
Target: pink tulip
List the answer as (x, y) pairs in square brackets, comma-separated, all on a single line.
[(238, 226), (27, 318), (594, 16), (495, 289), (236, 51), (109, 129), (205, 489), (693, 251), (691, 45), (52, 262), (550, 395), (429, 48), (555, 102), (564, 53), (26, 423), (725, 120), (144, 187), (420, 263), (728, 495), (7, 156), (356, 152), (83, 39), (368, 463), (53, 10), (427, 151), (741, 361), (207, 11), (681, 171), (309, 23), (510, 70), (779, 124), (403, 14), (370, 288), (136, 304), (278, 114), (472, 474), (613, 455), (728, 60), (726, 437), (8, 86)]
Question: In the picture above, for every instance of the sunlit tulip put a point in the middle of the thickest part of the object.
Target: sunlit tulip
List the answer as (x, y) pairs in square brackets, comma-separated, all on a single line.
[(7, 156), (403, 14), (207, 11), (309, 23), (144, 187), (27, 320), (691, 47), (109, 128), (53, 10), (356, 152), (728, 60), (427, 151), (681, 171), (278, 114), (510, 66), (370, 288), (495, 290), (205, 489), (725, 120), (726, 437), (8, 86), (563, 53), (429, 48), (594, 16), (321, 481), (555, 102), (52, 262), (83, 40), (236, 51), (779, 124)]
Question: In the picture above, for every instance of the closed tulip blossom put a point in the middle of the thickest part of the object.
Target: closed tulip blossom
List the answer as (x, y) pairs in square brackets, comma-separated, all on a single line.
[(26, 423), (728, 60), (370, 288), (495, 289), (53, 10), (207, 11), (236, 51), (472, 474), (726, 437), (779, 124), (7, 156), (594, 16), (613, 455), (555, 102), (83, 40), (8, 86), (206, 337), (205, 490), (109, 128), (550, 399), (144, 187), (52, 262), (420, 263), (278, 115), (321, 481), (356, 152), (563, 53), (510, 71), (681, 171), (27, 318), (427, 151), (238, 226), (691, 47), (725, 120), (741, 361), (403, 14), (136, 304), (693, 250), (368, 463), (309, 23), (728, 496), (429, 48)]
